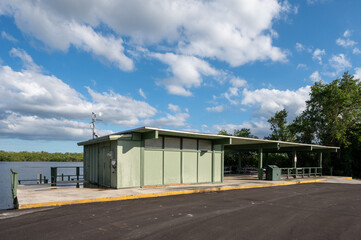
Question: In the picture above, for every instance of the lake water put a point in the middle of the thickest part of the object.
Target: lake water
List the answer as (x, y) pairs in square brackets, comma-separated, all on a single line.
[(28, 170)]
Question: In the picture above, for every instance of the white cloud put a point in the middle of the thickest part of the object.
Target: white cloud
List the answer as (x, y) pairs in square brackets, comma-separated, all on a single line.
[(8, 37), (238, 82), (315, 76), (346, 41), (141, 93), (173, 108), (26, 59), (268, 101), (235, 31), (258, 128), (339, 62), (31, 98), (50, 25), (299, 47), (177, 120), (187, 72), (347, 34), (357, 74), (14, 125), (317, 55), (217, 109), (356, 51), (301, 66)]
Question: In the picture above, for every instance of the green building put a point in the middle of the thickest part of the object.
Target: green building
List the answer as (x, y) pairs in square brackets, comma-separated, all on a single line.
[(149, 156)]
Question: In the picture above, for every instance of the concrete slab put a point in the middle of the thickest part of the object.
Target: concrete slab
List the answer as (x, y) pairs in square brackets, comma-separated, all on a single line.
[(45, 196)]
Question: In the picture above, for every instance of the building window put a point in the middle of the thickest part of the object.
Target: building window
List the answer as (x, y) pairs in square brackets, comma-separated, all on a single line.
[(189, 144), (205, 145), (171, 143), (154, 143)]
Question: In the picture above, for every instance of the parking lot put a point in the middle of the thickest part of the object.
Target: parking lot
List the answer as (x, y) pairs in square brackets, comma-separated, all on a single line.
[(305, 211)]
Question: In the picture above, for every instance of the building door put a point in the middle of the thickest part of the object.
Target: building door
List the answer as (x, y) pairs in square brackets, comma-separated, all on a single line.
[(104, 167)]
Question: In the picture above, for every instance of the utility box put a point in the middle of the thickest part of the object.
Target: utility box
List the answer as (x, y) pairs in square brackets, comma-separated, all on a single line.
[(273, 173)]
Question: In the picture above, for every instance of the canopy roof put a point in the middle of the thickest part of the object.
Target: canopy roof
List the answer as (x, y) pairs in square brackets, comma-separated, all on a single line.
[(230, 142)]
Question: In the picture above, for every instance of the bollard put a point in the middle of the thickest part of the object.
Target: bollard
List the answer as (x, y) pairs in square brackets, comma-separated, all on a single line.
[(62, 177), (37, 178), (40, 178)]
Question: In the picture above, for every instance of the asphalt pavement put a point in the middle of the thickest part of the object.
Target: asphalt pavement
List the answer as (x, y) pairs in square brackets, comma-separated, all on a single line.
[(304, 211)]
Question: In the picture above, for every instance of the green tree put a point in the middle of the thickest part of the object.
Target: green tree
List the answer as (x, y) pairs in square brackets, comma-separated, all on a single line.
[(279, 127), (333, 112)]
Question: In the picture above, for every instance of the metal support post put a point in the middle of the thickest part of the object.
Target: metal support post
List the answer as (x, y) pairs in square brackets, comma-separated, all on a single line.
[(260, 164), (295, 164), (77, 173), (320, 162), (54, 175)]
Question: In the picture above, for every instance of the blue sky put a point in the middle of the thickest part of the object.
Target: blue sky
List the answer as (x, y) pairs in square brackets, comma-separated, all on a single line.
[(188, 65)]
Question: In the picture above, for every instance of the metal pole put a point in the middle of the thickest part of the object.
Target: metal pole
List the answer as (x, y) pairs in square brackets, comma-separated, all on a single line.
[(320, 162), (54, 175), (260, 167), (295, 164), (77, 173)]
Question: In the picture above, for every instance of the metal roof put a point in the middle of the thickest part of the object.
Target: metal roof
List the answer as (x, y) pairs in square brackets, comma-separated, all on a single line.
[(241, 142)]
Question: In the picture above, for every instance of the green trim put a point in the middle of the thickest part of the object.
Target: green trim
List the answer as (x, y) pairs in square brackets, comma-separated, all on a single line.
[(150, 135)]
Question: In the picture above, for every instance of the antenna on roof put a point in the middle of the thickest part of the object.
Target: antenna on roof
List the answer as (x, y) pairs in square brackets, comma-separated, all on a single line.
[(92, 124)]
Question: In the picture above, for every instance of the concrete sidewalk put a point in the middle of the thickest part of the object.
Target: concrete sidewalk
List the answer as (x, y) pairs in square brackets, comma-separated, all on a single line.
[(45, 196)]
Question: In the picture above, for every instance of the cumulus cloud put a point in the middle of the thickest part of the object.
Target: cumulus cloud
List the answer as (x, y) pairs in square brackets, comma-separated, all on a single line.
[(346, 41), (317, 55), (216, 109), (186, 71), (299, 47), (235, 31), (315, 76), (15, 125), (356, 51), (31, 96), (258, 128), (268, 101), (357, 74), (238, 82), (339, 62), (173, 108), (49, 24)]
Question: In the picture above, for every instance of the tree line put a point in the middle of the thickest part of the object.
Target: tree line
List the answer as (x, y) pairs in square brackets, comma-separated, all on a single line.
[(332, 117), (40, 156)]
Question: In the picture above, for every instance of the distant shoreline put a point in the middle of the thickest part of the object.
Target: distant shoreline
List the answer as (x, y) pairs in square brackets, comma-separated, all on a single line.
[(40, 157)]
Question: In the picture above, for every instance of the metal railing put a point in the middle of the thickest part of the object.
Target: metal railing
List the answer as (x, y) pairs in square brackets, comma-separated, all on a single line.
[(68, 177), (301, 172)]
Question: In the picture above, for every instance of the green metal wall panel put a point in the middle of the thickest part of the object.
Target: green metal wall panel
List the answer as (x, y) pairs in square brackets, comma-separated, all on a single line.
[(217, 167), (114, 172), (205, 167), (153, 167), (128, 163), (189, 168), (172, 167)]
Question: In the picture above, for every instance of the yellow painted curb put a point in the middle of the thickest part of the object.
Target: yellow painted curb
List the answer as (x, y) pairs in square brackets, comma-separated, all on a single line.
[(163, 194), (348, 178)]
